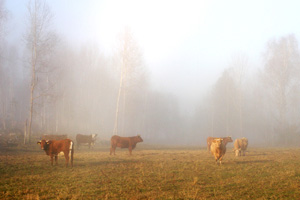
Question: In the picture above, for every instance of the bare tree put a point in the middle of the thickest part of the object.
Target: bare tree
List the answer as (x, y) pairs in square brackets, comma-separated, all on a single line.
[(281, 76), (223, 98), (3, 77), (131, 72), (39, 41), (239, 65)]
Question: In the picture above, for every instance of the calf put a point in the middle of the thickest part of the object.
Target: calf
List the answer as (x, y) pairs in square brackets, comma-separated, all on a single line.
[(218, 149), (54, 147), (124, 142), (240, 146)]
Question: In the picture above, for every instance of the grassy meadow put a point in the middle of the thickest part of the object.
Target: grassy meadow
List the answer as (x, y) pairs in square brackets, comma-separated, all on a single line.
[(151, 173)]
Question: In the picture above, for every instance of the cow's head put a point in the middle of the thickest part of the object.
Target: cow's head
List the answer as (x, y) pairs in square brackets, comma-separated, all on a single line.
[(94, 137), (44, 144), (139, 138), (229, 139), (218, 141)]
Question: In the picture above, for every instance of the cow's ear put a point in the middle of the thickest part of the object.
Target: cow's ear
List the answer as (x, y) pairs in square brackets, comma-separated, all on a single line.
[(139, 135), (39, 142)]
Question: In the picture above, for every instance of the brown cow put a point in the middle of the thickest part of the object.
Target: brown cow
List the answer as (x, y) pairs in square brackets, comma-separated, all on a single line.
[(124, 142), (218, 149), (54, 147), (54, 137), (240, 145), (225, 140), (86, 139)]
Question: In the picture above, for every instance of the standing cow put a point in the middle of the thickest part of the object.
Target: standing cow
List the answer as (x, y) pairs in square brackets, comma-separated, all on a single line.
[(240, 146), (225, 141), (124, 142), (85, 139), (218, 149), (54, 147)]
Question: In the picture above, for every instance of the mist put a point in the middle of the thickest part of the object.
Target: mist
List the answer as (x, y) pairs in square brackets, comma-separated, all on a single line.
[(172, 72)]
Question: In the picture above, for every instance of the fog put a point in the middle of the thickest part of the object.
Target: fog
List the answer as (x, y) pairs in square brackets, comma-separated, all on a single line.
[(174, 72)]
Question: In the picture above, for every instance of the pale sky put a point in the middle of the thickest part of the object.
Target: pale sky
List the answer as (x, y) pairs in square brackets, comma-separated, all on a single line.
[(186, 44)]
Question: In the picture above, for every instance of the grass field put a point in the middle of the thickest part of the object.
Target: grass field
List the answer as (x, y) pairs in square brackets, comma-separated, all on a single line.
[(151, 173)]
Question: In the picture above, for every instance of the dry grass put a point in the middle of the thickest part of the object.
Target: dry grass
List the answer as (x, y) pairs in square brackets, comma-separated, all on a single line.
[(152, 174)]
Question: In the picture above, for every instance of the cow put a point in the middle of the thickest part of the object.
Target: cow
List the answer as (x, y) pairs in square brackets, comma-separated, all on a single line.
[(54, 147), (225, 141), (85, 139), (240, 146), (54, 137), (124, 142), (218, 149)]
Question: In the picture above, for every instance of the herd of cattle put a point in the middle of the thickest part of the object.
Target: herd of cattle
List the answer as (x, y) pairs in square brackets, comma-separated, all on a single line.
[(55, 144)]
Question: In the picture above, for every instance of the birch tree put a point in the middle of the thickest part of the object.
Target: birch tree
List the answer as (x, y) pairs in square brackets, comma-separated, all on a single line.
[(281, 74), (3, 93), (131, 73), (239, 65), (39, 40)]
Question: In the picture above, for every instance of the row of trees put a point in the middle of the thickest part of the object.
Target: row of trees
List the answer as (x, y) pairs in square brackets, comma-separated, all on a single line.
[(62, 89), (263, 106), (53, 87)]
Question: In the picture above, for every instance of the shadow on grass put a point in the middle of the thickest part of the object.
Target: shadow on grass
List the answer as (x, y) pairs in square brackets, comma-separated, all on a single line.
[(107, 162), (252, 161)]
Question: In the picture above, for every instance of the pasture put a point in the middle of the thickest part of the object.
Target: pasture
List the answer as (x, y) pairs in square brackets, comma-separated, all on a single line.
[(151, 173)]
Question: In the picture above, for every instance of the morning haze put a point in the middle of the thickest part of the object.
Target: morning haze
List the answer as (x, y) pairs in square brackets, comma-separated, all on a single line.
[(174, 72)]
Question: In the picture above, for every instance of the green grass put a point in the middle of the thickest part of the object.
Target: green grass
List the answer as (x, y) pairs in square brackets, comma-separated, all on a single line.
[(172, 173)]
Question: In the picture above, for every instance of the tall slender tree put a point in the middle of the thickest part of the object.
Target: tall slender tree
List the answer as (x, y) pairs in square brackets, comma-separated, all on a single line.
[(39, 39), (281, 71)]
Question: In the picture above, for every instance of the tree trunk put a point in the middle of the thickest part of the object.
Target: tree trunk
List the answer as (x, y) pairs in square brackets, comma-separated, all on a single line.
[(33, 65), (118, 103)]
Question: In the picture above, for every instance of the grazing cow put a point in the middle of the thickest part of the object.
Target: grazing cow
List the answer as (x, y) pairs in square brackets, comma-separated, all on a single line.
[(240, 146), (54, 137), (86, 139), (218, 149), (124, 142), (225, 141), (54, 147)]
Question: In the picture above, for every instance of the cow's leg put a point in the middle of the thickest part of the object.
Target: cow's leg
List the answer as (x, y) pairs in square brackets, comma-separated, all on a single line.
[(56, 157), (216, 158), (130, 150), (111, 150), (51, 157), (67, 158), (208, 147), (243, 153), (89, 145), (114, 149), (220, 159)]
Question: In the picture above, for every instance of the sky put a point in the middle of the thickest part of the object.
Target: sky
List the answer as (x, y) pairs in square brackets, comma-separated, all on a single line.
[(186, 44)]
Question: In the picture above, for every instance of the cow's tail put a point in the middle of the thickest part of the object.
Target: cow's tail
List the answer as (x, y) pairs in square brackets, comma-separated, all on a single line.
[(72, 152)]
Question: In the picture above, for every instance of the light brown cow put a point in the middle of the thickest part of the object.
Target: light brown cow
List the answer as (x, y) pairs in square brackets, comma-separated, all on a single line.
[(218, 149), (54, 137), (225, 140), (54, 147), (124, 142), (240, 146)]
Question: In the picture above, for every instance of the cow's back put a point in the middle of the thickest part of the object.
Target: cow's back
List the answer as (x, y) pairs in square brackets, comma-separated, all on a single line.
[(83, 138)]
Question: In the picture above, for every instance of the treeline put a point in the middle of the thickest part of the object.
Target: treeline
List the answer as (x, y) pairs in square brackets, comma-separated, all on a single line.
[(262, 105), (53, 87)]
